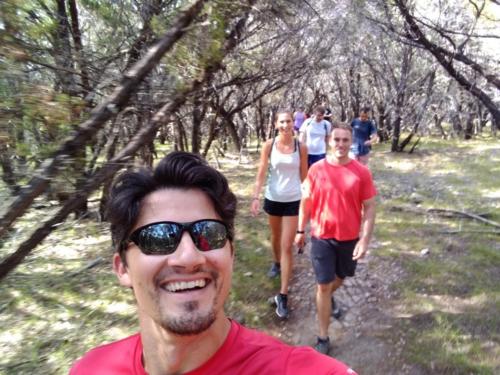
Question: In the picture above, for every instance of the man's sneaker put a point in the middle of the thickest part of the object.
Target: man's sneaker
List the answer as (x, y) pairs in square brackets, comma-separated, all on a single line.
[(281, 306), (274, 271), (322, 345), (336, 310)]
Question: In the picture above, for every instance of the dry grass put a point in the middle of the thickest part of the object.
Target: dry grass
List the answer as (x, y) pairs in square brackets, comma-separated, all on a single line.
[(53, 308)]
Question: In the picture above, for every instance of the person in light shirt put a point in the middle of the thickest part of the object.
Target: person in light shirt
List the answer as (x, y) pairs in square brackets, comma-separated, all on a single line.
[(284, 161), (315, 132)]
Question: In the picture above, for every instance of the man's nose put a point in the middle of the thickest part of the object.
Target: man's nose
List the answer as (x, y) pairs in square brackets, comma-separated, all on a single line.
[(187, 255)]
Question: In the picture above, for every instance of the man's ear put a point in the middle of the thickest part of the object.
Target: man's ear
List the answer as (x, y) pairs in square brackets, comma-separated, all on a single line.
[(121, 271), (232, 249)]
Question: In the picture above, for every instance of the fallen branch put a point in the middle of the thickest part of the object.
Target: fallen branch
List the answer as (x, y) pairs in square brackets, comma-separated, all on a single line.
[(463, 214), (88, 266), (446, 213), (458, 231)]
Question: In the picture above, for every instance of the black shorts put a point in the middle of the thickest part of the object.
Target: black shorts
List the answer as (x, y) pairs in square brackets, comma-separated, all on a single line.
[(331, 258), (311, 159), (281, 208)]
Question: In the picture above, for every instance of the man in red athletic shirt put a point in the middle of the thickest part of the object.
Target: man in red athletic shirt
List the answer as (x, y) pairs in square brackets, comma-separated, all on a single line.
[(173, 232), (338, 196)]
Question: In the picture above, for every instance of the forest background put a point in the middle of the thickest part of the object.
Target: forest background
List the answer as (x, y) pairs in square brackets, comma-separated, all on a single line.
[(89, 88)]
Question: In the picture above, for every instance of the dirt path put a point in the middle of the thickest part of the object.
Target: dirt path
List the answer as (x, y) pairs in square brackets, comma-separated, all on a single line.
[(364, 336), (369, 337)]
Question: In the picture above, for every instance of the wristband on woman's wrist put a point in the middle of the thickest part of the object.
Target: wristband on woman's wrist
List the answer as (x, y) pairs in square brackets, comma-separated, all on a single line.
[(300, 232)]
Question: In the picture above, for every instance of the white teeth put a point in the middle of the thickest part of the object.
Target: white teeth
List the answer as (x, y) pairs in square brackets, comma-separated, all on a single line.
[(183, 285)]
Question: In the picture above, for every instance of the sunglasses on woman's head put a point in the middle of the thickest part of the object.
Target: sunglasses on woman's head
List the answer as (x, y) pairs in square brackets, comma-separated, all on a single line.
[(162, 238)]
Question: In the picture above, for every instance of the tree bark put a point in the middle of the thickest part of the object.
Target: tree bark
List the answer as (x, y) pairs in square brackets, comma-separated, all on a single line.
[(419, 37), (145, 135), (212, 132), (400, 98), (420, 114), (8, 174), (198, 114), (469, 123), (77, 41), (107, 109), (62, 51)]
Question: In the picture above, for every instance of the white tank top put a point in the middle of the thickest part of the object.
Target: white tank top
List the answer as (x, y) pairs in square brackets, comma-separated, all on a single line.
[(283, 182)]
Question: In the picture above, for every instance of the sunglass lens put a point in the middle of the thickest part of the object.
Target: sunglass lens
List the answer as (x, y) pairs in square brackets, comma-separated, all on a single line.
[(209, 235), (160, 238)]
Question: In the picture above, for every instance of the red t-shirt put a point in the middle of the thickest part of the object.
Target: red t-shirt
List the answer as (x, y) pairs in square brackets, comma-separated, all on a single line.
[(337, 193), (244, 352)]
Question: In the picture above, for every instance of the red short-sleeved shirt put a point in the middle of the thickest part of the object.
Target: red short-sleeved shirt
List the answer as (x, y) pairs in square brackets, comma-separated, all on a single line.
[(337, 193), (244, 352)]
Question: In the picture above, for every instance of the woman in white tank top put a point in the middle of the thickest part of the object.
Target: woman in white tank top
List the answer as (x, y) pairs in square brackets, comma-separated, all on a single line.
[(284, 160)]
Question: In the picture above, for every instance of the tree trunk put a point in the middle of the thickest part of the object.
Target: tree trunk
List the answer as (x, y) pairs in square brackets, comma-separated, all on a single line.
[(401, 97), (107, 109), (354, 91), (198, 115), (396, 132), (77, 41), (8, 175), (110, 153), (422, 110), (469, 123), (438, 120), (62, 51), (456, 122), (260, 123), (419, 37), (341, 99), (382, 131), (212, 132), (180, 135), (145, 135), (233, 133)]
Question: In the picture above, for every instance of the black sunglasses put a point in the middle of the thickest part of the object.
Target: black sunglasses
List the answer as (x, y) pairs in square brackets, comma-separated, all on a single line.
[(162, 238)]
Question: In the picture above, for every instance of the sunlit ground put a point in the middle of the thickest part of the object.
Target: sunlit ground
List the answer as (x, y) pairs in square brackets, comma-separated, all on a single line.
[(64, 298)]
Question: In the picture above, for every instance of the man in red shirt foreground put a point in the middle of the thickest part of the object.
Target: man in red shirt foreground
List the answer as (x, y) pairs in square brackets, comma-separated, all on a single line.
[(338, 196), (173, 231)]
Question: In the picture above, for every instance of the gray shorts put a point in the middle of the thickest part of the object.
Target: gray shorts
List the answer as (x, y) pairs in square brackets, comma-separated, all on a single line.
[(331, 258)]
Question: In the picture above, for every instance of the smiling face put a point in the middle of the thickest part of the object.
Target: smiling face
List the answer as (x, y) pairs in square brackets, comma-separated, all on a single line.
[(183, 292), (284, 123), (340, 142)]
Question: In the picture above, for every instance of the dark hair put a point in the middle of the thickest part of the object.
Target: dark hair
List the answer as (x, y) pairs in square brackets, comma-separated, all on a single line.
[(284, 110), (320, 109), (365, 109), (342, 125), (176, 170)]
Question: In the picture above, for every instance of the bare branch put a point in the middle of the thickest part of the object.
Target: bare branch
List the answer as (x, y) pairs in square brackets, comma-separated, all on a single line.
[(106, 110), (143, 136)]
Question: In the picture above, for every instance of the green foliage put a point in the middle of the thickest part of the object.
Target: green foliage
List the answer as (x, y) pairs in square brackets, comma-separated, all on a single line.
[(54, 308), (441, 343), (112, 13), (452, 294), (251, 287)]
